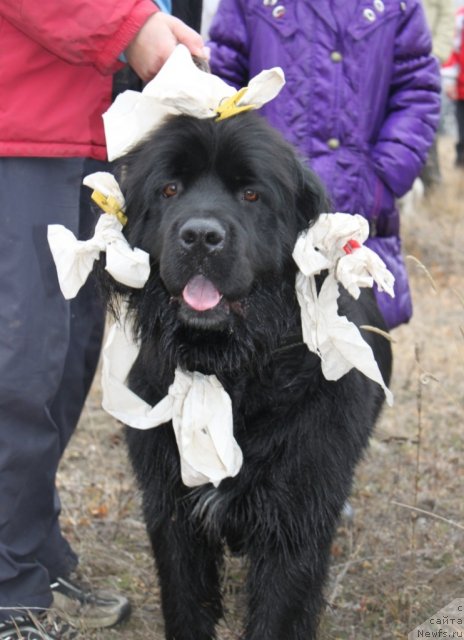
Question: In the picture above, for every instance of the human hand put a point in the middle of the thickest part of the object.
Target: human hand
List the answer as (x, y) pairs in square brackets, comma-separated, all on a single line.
[(450, 85), (451, 90), (155, 42)]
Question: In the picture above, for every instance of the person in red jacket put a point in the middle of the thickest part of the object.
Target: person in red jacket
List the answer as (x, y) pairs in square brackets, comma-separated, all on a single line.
[(58, 60), (453, 81)]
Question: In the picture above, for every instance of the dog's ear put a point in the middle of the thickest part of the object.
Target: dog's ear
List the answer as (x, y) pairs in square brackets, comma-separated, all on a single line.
[(133, 177), (312, 198)]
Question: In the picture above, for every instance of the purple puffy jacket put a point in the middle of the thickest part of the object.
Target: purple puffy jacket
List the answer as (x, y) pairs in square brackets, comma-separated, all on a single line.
[(362, 107)]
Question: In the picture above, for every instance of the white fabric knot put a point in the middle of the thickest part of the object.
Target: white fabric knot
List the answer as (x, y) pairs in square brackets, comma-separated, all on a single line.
[(320, 246), (361, 269), (333, 243), (74, 259), (198, 405), (180, 87), (106, 184)]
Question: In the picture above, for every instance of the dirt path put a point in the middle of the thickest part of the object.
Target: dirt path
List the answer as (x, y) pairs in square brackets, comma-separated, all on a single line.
[(402, 557)]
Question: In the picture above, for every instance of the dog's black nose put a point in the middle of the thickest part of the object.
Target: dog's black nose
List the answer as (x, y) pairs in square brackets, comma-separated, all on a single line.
[(202, 233)]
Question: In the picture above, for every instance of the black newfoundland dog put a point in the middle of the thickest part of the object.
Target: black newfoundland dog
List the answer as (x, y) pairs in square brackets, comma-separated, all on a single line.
[(218, 207)]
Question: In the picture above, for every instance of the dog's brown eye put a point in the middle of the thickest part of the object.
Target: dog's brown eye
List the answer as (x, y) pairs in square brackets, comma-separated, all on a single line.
[(170, 190), (250, 196)]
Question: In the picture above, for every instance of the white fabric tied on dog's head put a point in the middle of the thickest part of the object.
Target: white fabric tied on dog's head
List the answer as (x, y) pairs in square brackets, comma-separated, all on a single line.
[(181, 88), (74, 259), (198, 405), (334, 243)]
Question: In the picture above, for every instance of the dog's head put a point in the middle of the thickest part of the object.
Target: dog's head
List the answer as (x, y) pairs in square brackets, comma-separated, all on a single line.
[(218, 207)]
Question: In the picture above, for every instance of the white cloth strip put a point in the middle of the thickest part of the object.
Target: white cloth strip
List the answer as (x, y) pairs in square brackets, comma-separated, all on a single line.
[(333, 243), (198, 405)]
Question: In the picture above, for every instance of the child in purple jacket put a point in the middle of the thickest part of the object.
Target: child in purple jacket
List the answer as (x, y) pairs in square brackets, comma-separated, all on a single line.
[(361, 101)]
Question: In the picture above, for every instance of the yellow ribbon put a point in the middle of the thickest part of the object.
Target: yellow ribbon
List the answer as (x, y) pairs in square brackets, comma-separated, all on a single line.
[(109, 204), (229, 107)]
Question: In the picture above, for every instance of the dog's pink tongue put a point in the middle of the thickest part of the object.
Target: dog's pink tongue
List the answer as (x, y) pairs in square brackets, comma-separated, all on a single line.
[(201, 294)]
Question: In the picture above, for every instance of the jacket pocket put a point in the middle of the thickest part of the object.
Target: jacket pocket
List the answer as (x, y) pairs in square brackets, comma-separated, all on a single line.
[(377, 202), (285, 23), (370, 16)]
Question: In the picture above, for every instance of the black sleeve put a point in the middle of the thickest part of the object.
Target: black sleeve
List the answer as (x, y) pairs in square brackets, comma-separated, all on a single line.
[(189, 11)]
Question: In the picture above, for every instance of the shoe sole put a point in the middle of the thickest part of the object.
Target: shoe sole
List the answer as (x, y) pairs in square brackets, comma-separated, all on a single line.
[(83, 619)]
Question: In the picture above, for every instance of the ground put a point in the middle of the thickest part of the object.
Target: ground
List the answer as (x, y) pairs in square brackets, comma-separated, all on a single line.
[(401, 557)]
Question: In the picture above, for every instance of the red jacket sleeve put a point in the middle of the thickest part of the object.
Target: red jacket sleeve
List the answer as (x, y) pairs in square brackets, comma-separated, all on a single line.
[(83, 32)]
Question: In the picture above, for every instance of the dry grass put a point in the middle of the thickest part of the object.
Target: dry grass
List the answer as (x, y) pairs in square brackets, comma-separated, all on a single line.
[(402, 557)]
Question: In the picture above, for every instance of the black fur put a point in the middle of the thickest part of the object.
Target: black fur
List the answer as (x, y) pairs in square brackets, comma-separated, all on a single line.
[(301, 436)]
